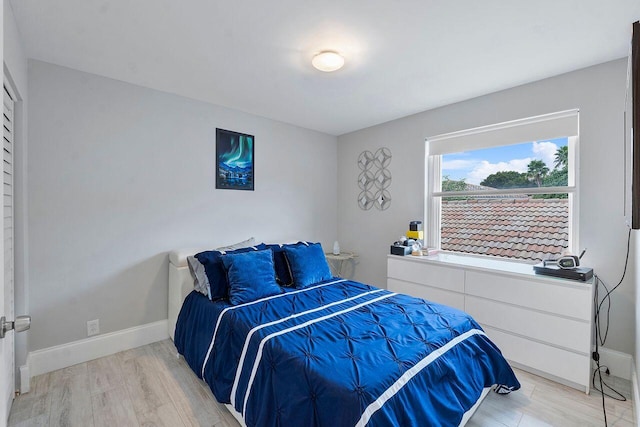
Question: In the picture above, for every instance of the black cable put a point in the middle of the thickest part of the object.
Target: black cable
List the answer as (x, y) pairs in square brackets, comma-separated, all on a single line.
[(604, 410), (598, 307), (598, 371), (601, 339), (607, 296), (596, 355)]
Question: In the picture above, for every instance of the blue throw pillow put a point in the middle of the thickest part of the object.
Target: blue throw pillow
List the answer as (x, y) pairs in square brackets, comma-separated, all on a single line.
[(251, 276), (308, 264), (283, 273), (216, 273)]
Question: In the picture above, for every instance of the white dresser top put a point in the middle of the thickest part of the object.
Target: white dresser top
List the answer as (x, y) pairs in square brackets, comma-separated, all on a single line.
[(488, 264)]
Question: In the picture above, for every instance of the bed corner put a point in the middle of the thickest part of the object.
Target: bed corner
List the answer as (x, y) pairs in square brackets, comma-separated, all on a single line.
[(180, 285)]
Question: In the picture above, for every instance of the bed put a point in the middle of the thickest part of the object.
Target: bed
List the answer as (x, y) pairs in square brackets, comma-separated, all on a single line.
[(335, 352)]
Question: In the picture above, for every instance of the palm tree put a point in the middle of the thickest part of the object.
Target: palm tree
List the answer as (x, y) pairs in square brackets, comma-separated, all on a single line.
[(537, 170), (562, 157)]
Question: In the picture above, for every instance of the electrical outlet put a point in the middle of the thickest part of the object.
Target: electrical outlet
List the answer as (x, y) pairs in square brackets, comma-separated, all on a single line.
[(93, 327)]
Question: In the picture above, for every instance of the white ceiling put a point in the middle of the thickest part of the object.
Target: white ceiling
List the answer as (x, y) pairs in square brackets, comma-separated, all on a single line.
[(402, 56)]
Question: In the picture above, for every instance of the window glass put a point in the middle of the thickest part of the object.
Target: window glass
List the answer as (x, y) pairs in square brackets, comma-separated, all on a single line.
[(511, 201), (525, 165)]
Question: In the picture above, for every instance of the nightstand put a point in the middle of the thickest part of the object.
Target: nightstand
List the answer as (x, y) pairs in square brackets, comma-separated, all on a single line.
[(339, 260)]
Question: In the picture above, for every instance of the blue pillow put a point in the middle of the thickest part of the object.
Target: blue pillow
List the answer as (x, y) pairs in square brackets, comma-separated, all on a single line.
[(216, 273), (251, 276), (308, 264), (283, 273)]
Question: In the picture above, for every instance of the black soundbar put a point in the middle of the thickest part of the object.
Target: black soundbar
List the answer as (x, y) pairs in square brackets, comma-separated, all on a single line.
[(578, 273)]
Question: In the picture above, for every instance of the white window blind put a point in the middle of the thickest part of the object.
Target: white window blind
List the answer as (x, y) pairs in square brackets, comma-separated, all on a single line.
[(470, 142), (548, 126)]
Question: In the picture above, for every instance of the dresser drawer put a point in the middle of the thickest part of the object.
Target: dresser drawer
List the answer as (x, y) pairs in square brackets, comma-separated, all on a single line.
[(567, 333), (441, 296), (566, 300), (557, 362), (435, 276)]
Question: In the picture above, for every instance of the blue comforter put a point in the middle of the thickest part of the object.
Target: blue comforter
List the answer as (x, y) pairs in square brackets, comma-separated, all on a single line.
[(340, 353)]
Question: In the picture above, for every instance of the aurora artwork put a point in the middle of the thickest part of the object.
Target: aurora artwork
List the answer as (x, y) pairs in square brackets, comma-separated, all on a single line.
[(234, 160)]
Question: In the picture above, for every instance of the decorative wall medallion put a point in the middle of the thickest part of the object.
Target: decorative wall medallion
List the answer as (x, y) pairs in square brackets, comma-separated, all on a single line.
[(382, 200), (365, 200), (382, 158), (375, 179), (365, 160)]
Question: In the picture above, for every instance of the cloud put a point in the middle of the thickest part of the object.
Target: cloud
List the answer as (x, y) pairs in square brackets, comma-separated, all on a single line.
[(480, 169), (545, 150), (484, 169), (458, 164)]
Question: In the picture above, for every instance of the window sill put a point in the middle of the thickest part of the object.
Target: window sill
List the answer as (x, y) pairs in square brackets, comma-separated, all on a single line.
[(487, 264)]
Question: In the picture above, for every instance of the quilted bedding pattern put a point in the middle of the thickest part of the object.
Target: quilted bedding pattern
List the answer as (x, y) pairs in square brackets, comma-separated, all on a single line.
[(340, 353)]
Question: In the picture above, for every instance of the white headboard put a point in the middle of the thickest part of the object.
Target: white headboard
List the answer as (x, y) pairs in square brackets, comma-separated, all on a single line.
[(180, 284)]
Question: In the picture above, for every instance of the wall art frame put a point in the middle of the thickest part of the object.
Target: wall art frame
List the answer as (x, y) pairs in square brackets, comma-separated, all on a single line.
[(235, 161)]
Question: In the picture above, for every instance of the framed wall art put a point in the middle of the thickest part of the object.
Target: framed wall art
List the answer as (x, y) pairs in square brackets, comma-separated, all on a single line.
[(235, 169)]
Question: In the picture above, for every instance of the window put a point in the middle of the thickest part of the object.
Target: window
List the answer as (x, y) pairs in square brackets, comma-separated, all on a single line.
[(507, 190)]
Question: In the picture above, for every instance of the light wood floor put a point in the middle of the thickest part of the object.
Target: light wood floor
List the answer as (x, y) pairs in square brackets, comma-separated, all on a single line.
[(149, 386)]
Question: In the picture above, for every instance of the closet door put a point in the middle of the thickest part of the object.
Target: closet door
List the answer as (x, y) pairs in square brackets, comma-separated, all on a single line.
[(7, 371)]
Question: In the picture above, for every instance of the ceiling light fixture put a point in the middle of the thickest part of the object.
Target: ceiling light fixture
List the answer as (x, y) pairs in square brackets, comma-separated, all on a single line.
[(328, 61)]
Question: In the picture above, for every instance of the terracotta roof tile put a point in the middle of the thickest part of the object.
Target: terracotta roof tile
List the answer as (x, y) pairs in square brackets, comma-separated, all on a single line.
[(529, 229)]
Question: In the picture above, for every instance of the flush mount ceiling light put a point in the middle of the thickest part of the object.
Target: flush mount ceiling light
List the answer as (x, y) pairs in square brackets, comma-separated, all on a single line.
[(328, 61)]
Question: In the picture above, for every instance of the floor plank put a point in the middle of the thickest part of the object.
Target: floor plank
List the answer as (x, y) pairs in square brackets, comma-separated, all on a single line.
[(550, 403), (193, 402), (142, 378), (162, 416), (113, 407), (105, 374), (35, 405), (70, 401), (150, 386)]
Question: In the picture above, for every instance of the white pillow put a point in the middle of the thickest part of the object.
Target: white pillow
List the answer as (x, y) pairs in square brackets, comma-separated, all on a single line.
[(244, 244), (200, 279)]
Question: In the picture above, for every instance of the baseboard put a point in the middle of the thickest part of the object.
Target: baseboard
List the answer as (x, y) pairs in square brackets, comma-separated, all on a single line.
[(636, 392), (25, 378), (65, 355), (619, 363)]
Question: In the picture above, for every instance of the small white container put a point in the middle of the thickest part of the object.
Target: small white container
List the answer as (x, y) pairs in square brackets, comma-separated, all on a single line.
[(336, 248)]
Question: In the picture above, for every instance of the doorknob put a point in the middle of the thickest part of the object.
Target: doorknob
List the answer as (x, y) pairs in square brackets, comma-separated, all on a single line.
[(22, 323)]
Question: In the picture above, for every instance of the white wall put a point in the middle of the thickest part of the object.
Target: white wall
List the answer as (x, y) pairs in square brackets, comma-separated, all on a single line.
[(120, 174), (635, 274), (599, 94), (15, 63), (14, 55)]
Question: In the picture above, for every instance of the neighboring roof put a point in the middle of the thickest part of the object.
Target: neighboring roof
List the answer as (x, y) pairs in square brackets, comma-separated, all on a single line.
[(475, 187), (529, 229)]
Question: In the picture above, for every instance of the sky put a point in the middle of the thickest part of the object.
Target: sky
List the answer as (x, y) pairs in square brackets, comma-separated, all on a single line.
[(475, 166)]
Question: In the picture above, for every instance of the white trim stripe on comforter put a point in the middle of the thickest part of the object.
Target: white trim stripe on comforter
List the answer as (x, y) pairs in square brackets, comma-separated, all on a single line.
[(233, 307), (258, 358), (275, 322), (406, 377)]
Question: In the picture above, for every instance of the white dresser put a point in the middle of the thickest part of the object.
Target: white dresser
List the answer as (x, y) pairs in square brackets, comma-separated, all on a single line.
[(541, 324)]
